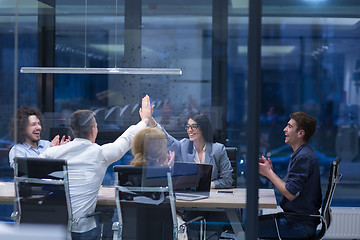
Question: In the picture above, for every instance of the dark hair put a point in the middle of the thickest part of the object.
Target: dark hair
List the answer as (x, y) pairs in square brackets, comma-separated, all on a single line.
[(81, 123), (22, 121), (305, 122), (205, 126)]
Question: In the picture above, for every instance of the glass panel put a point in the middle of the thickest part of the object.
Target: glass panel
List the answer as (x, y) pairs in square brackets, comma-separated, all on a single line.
[(169, 38), (18, 32), (18, 47), (183, 45), (309, 63)]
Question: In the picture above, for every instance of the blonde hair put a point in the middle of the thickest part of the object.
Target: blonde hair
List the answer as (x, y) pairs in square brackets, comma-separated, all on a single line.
[(149, 148)]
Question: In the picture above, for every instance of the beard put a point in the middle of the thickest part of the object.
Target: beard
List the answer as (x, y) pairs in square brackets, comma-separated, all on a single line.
[(32, 138)]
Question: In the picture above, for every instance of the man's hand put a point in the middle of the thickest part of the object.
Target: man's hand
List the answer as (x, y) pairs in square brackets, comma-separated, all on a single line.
[(265, 166), (146, 110), (56, 140), (64, 141), (266, 169)]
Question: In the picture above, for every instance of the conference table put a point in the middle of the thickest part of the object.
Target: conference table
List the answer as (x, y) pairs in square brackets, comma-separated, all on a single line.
[(231, 203)]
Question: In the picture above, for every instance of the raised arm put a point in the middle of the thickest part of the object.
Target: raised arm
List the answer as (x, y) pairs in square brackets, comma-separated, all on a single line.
[(172, 143), (114, 151)]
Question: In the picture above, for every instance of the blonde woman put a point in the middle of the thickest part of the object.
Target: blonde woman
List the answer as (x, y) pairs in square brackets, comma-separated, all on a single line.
[(150, 149)]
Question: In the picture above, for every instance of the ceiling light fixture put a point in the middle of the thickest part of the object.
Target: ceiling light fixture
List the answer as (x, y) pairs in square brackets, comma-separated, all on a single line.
[(65, 70), (114, 70)]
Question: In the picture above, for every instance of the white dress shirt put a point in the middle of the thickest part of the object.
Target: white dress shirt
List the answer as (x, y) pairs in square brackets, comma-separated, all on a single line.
[(197, 159), (87, 164)]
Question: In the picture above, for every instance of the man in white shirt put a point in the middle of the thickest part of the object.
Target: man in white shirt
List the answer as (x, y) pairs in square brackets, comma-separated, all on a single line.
[(88, 161)]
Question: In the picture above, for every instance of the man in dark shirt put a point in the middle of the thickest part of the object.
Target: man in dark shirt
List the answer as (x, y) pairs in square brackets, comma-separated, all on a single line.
[(302, 189)]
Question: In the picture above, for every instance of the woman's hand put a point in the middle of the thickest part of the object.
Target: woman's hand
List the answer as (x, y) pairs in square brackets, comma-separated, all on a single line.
[(171, 158)]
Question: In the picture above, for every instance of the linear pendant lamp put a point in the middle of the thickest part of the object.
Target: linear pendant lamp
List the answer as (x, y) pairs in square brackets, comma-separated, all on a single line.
[(85, 70), (114, 70)]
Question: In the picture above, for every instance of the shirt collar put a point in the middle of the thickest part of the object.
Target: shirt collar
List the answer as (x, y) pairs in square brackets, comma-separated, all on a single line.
[(28, 146), (297, 150), (82, 140), (203, 148)]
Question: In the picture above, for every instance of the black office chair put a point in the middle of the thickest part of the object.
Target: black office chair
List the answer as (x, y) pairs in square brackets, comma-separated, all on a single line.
[(145, 204), (325, 216), (232, 154), (42, 192)]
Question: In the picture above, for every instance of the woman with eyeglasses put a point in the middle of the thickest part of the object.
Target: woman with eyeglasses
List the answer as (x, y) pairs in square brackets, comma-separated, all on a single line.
[(199, 148)]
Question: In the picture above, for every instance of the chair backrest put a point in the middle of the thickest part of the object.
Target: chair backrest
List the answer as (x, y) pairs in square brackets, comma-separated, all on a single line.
[(42, 191), (232, 154), (334, 178), (145, 202)]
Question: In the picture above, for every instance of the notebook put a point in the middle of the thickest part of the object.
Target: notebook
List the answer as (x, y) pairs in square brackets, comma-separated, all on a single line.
[(191, 181)]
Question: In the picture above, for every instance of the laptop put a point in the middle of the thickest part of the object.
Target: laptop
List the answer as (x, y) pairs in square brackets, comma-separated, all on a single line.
[(191, 181)]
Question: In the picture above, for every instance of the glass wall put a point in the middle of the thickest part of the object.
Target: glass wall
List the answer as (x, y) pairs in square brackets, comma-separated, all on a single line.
[(310, 62)]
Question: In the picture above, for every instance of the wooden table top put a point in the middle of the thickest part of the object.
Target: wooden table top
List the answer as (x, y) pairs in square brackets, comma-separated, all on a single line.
[(216, 200)]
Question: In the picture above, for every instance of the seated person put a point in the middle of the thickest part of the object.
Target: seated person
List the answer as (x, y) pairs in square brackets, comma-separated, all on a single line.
[(149, 149), (29, 125), (301, 189), (199, 148)]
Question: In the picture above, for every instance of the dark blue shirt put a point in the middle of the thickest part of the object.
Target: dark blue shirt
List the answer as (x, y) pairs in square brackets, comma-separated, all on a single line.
[(303, 181)]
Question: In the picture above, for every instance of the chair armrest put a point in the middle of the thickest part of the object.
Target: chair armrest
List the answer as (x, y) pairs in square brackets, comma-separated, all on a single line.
[(14, 216), (297, 214), (322, 219), (199, 218), (100, 214), (116, 226), (202, 221), (117, 230)]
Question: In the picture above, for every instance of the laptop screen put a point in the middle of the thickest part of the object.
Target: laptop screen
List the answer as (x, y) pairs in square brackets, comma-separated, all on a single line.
[(192, 176)]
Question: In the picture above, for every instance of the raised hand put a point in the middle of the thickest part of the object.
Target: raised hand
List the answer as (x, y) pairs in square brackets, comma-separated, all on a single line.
[(64, 141), (171, 158), (265, 166), (55, 141), (146, 110)]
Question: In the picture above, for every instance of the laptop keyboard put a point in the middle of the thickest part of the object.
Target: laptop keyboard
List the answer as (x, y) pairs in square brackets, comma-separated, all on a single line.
[(189, 196)]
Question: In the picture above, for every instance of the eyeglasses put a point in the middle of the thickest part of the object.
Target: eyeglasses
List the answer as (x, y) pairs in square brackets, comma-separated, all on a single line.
[(193, 126)]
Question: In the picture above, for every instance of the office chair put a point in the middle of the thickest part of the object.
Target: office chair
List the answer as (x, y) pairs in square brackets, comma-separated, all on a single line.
[(42, 193), (145, 204), (232, 154), (325, 215)]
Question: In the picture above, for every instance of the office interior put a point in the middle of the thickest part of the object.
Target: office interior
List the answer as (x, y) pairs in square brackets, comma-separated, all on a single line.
[(190, 56)]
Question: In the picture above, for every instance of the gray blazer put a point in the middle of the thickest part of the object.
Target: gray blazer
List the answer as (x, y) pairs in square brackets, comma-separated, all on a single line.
[(215, 154)]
